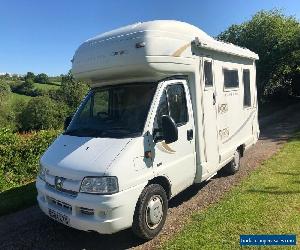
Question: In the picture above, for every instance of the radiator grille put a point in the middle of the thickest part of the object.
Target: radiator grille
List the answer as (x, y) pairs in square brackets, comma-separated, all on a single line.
[(86, 211), (59, 204)]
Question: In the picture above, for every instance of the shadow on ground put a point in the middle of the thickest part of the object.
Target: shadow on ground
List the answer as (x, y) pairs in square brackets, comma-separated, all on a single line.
[(16, 198)]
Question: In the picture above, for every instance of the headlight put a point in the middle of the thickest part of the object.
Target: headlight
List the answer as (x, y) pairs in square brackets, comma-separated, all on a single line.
[(42, 173), (99, 185)]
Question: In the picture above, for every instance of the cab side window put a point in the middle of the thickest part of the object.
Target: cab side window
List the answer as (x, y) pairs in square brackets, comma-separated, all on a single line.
[(172, 103), (162, 109), (177, 104)]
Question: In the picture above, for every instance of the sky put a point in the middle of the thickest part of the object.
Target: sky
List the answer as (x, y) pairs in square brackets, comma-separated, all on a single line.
[(42, 36)]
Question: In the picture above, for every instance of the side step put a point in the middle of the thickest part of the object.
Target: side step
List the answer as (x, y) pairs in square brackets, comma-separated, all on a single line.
[(211, 176)]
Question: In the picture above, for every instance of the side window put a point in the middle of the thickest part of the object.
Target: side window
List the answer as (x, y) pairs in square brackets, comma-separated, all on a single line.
[(247, 93), (161, 110), (86, 112), (100, 103), (177, 103), (172, 102), (208, 75), (231, 78)]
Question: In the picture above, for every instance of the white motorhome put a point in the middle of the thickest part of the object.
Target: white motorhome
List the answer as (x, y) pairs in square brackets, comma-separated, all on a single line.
[(169, 106)]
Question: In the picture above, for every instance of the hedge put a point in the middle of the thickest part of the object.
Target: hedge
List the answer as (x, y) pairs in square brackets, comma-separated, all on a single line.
[(20, 154)]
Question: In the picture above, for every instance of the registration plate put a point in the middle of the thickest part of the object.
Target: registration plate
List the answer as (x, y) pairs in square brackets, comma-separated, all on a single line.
[(62, 218)]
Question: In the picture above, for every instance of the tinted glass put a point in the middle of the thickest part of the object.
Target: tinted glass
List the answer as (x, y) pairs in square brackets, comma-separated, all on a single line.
[(177, 103), (114, 111), (101, 104), (161, 110), (247, 93), (208, 76), (231, 78)]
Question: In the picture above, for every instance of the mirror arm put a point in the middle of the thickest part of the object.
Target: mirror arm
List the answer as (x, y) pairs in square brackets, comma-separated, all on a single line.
[(157, 138)]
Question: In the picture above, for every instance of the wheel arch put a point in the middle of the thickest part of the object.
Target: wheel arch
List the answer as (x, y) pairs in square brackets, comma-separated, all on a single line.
[(241, 149), (164, 182)]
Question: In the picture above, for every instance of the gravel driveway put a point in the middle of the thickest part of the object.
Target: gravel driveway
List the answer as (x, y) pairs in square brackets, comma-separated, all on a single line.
[(30, 229)]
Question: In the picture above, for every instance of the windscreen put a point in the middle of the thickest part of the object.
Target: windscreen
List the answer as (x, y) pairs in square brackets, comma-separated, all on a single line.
[(113, 111)]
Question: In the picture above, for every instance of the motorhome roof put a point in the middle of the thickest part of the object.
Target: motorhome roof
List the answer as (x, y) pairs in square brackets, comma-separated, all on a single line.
[(149, 50), (187, 32)]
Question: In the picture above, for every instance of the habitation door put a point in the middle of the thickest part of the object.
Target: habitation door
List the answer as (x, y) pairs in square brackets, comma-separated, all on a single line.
[(210, 134), (176, 160)]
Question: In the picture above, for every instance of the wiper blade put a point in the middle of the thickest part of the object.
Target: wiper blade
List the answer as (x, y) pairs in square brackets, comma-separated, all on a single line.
[(83, 132)]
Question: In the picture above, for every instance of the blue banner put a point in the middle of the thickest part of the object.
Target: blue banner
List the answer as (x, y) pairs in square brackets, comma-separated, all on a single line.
[(268, 240)]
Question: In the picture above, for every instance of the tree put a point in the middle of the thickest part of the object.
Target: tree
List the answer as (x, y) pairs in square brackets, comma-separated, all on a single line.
[(72, 91), (5, 111), (276, 39), (29, 75), (43, 113), (42, 78)]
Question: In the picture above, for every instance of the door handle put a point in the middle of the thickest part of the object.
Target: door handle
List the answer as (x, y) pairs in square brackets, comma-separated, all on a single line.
[(190, 134), (214, 98)]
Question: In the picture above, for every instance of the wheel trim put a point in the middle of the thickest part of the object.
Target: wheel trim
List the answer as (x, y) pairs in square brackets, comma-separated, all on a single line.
[(154, 211)]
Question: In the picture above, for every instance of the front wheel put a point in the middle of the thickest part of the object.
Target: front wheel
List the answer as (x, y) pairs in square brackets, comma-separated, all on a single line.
[(150, 212)]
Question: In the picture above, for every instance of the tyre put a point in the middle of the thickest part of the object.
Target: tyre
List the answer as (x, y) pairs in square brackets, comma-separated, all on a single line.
[(233, 166), (150, 212)]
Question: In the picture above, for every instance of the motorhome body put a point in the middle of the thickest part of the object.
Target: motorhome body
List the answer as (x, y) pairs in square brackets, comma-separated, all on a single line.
[(169, 107)]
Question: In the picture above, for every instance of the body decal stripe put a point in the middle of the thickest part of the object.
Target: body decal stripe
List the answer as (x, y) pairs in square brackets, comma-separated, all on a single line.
[(240, 128), (179, 51)]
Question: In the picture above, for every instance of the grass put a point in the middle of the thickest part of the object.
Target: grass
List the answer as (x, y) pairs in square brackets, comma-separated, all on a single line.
[(268, 202), (17, 198), (49, 86), (15, 97)]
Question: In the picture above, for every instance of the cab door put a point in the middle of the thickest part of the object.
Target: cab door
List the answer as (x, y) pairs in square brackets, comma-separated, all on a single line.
[(175, 161)]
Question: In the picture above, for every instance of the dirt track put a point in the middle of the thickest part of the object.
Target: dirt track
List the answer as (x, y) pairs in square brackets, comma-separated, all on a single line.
[(30, 229)]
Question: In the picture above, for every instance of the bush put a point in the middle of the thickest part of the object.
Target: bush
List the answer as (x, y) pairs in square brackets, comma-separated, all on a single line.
[(42, 78), (4, 91), (19, 156), (15, 85), (26, 88), (43, 113)]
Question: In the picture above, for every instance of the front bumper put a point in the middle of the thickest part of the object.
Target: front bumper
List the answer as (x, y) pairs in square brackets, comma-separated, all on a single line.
[(104, 214)]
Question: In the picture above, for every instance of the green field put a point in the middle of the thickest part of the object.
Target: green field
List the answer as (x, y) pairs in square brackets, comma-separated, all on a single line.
[(15, 97), (268, 202), (49, 86)]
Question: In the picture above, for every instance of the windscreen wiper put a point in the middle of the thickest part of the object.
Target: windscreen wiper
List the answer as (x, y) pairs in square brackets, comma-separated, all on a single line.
[(84, 132)]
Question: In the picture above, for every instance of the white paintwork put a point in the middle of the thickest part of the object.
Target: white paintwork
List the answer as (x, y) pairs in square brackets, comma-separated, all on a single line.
[(211, 147), (170, 49), (113, 55), (76, 157), (178, 165)]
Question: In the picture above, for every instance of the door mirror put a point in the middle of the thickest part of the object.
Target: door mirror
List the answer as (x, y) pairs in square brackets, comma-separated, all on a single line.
[(169, 129), (67, 122)]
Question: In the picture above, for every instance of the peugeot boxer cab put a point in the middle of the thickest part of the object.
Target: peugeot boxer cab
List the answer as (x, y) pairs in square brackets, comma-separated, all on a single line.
[(169, 106)]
